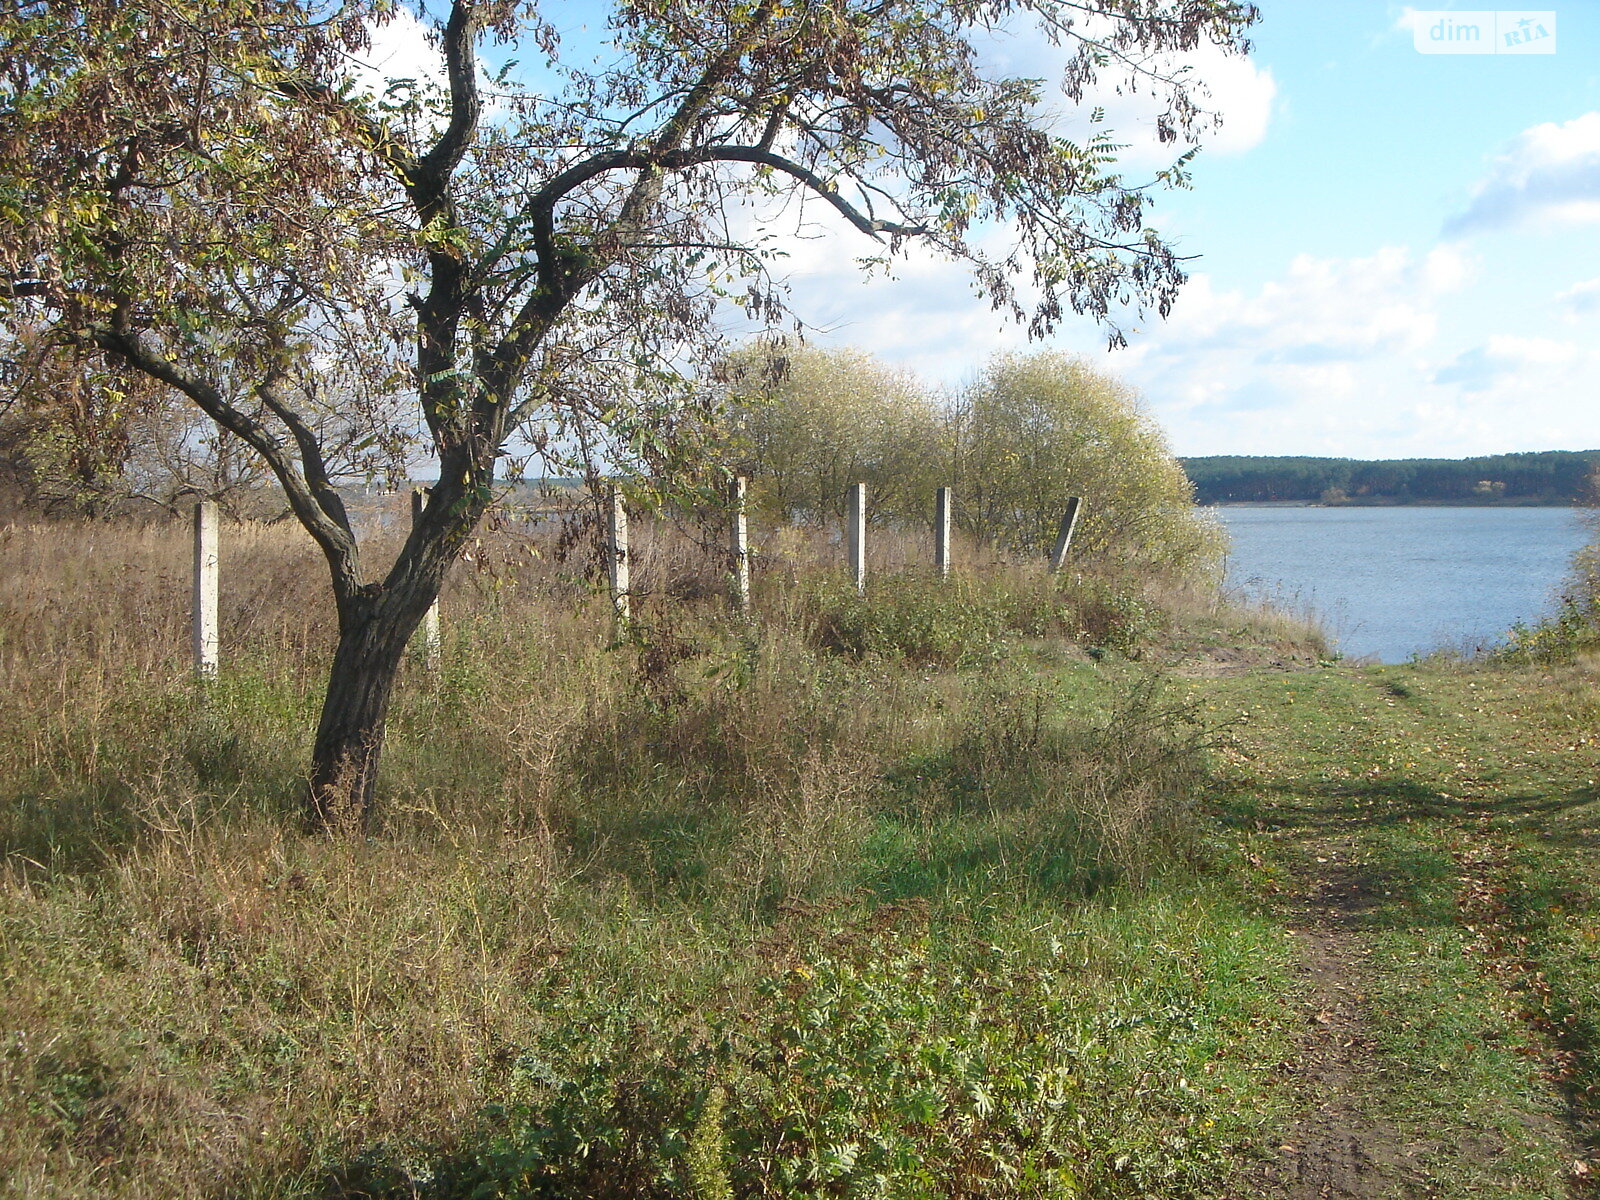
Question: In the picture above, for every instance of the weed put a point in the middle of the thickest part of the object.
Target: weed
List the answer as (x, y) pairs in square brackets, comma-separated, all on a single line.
[(852, 861)]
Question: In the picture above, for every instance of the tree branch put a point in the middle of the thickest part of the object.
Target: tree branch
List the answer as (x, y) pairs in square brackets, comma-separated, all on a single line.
[(543, 203), (461, 63), (376, 134), (311, 459), (334, 537)]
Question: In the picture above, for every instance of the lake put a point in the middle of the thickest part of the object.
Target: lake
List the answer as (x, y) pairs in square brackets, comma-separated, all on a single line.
[(1392, 582)]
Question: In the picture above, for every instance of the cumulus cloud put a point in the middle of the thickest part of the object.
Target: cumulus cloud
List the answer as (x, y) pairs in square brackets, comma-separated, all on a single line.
[(1323, 310), (926, 315), (1548, 174), (401, 49), (1342, 356), (1241, 93), (1483, 367), (1335, 355)]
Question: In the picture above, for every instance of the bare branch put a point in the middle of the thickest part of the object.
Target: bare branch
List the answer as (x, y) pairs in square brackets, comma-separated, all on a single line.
[(335, 538)]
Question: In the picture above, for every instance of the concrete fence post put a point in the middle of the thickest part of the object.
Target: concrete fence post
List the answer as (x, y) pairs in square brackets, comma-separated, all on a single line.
[(941, 531), (618, 555), (1069, 522), (739, 543), (430, 622), (205, 590), (857, 535)]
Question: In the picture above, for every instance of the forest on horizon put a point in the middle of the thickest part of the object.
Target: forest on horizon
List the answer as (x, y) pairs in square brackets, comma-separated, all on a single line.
[(1551, 477)]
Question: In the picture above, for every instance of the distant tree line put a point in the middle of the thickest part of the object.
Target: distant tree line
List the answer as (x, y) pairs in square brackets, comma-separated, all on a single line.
[(1547, 477)]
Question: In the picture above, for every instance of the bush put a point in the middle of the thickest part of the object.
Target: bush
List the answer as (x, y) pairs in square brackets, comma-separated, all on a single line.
[(956, 622), (1037, 429), (1575, 627), (1573, 630), (1032, 431), (877, 1059), (809, 422)]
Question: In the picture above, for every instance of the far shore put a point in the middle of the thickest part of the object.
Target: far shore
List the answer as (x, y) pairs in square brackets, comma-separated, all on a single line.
[(1390, 503)]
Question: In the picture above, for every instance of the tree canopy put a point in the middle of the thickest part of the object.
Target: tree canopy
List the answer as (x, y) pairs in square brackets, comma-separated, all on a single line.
[(1546, 477), (1026, 434), (1035, 429), (808, 422), (204, 192)]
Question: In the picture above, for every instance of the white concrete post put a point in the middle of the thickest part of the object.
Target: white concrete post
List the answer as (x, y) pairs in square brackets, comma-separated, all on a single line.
[(941, 531), (858, 535), (619, 558), (739, 544), (1069, 522), (429, 629), (205, 590)]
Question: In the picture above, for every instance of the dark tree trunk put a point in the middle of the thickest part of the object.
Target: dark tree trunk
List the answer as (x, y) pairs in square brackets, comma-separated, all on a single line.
[(376, 622), (373, 632)]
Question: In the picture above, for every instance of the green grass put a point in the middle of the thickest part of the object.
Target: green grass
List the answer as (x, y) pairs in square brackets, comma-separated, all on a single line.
[(922, 924), (1464, 796), (943, 906)]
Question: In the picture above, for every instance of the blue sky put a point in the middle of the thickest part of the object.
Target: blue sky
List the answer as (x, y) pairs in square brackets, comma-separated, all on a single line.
[(1396, 254)]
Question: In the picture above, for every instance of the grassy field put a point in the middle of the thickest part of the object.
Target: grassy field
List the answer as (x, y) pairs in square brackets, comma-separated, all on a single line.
[(1007, 887)]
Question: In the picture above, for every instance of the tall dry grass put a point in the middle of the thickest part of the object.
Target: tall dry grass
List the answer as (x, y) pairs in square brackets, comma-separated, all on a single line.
[(597, 865)]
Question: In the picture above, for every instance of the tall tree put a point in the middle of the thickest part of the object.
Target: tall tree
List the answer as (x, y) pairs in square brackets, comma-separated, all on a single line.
[(203, 190)]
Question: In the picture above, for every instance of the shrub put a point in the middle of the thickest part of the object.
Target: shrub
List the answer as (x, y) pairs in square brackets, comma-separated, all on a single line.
[(1571, 631), (1037, 429), (915, 617), (1575, 626), (809, 422), (877, 1058), (1032, 431)]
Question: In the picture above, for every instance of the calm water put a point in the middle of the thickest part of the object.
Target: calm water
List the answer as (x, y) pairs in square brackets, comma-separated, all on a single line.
[(1393, 582)]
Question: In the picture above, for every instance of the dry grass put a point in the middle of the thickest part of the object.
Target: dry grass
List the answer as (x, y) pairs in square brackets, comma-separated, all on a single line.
[(584, 850)]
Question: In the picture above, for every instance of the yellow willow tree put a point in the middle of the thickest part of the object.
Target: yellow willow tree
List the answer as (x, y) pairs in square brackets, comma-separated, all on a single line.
[(808, 422), (204, 191), (1034, 429)]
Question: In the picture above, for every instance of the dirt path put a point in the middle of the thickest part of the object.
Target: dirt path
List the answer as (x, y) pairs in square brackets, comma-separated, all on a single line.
[(1336, 1148), (1431, 1062)]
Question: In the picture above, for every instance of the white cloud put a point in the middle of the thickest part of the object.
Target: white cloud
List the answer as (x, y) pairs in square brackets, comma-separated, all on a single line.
[(1581, 299), (1501, 357), (1236, 89), (1342, 356), (1246, 95), (1548, 174), (1321, 311), (1334, 356), (1241, 94), (1447, 268), (922, 313), (401, 49)]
